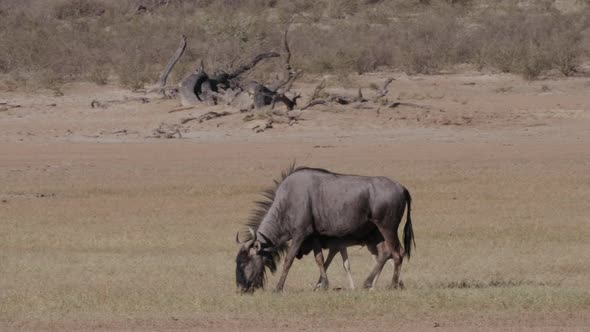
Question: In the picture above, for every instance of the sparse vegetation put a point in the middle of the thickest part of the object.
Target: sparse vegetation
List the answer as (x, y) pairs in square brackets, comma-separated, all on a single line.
[(49, 43)]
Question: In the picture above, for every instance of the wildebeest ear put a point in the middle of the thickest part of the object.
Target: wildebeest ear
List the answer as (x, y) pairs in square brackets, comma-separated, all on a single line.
[(257, 246)]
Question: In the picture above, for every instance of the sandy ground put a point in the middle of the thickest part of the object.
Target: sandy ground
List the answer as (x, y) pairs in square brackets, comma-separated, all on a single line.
[(60, 159), (454, 108)]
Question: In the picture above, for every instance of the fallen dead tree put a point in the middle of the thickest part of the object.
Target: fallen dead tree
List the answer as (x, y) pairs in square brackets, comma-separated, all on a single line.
[(205, 117), (200, 87), (223, 87), (4, 106), (105, 104)]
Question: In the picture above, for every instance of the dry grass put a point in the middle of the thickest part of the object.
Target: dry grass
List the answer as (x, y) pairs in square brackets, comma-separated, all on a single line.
[(49, 43), (133, 234)]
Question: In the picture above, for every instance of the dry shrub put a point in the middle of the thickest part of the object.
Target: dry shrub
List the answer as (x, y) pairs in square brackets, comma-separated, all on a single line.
[(50, 53), (96, 39), (565, 47), (73, 9), (339, 9), (133, 72), (343, 48), (432, 42), (312, 10), (100, 74), (529, 44)]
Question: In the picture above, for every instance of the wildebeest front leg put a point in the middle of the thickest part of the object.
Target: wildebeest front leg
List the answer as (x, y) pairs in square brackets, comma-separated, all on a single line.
[(319, 259), (293, 249)]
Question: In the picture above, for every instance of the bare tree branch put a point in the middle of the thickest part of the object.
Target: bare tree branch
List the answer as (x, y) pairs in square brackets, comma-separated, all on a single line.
[(263, 97), (292, 80), (290, 76), (286, 44), (181, 109), (244, 68), (104, 104), (397, 103), (383, 92), (314, 103), (318, 90), (269, 96), (177, 55), (205, 117), (360, 97)]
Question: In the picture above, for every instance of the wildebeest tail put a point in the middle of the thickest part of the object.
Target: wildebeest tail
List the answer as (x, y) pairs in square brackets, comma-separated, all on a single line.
[(408, 230)]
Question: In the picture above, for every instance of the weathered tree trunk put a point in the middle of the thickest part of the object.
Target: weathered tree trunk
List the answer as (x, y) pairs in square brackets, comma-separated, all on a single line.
[(171, 63), (190, 88), (200, 87)]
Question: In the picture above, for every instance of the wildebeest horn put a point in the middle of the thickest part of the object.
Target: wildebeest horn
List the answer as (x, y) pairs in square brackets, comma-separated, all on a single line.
[(238, 239), (253, 233)]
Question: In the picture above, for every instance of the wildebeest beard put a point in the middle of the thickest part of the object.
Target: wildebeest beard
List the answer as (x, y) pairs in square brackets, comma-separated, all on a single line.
[(251, 269)]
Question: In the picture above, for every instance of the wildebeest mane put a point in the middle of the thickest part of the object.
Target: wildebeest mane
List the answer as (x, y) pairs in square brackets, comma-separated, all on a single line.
[(263, 205), (262, 208), (260, 211)]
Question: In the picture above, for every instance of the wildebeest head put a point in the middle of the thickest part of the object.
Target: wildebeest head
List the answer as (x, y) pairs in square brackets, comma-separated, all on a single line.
[(252, 259)]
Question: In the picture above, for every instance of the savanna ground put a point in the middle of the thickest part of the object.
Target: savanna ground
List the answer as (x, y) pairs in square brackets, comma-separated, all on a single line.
[(113, 231), (105, 228)]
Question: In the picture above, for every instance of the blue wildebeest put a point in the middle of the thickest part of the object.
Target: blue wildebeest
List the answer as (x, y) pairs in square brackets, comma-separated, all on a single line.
[(310, 205)]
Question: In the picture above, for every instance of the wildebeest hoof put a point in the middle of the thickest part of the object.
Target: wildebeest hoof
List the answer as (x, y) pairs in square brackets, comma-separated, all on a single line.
[(322, 286), (399, 285)]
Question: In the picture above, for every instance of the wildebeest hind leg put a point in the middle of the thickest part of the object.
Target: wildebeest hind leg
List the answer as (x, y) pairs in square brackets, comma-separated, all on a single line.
[(390, 236), (380, 260), (319, 259), (331, 255)]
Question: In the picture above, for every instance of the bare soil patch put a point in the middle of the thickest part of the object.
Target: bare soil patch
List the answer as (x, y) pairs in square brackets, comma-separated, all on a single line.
[(104, 228)]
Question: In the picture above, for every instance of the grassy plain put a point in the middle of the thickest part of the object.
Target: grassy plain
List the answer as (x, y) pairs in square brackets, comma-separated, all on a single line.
[(141, 236)]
